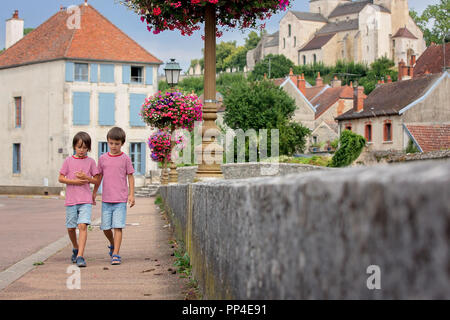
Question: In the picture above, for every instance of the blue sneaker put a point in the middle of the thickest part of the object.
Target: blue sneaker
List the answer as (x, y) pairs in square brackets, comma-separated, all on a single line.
[(111, 250), (74, 255), (81, 263)]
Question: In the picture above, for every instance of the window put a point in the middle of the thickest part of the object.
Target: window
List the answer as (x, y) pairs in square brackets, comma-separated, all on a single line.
[(106, 109), (314, 58), (136, 101), (348, 127), (137, 156), (304, 60), (102, 148), (284, 43), (81, 108), (137, 75), (369, 132), (295, 42), (18, 111), (289, 30), (81, 72), (16, 158), (388, 132)]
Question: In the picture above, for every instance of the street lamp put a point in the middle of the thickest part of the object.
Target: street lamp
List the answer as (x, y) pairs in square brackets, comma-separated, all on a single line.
[(172, 71)]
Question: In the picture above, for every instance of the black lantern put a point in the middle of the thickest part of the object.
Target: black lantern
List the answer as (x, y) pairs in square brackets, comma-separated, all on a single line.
[(172, 71)]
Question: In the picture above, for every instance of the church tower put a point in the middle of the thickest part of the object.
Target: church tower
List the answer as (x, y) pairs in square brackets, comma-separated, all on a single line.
[(325, 7), (399, 12)]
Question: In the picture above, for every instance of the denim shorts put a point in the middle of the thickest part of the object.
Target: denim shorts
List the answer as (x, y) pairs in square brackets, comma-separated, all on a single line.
[(78, 214), (114, 215)]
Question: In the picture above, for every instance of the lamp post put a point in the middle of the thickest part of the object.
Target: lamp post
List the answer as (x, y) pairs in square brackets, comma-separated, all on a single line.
[(172, 71)]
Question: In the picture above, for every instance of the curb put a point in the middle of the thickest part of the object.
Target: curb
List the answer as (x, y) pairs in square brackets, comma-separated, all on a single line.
[(30, 197), (22, 267)]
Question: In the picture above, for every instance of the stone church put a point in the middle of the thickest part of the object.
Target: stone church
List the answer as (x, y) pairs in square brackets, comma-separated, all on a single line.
[(359, 31)]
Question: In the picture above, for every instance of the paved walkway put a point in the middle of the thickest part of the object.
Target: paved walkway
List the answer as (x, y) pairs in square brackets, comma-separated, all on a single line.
[(146, 257)]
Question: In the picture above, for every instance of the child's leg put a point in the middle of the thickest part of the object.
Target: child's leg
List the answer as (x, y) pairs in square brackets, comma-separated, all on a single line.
[(73, 237), (84, 219), (117, 240), (109, 235), (118, 224), (82, 238)]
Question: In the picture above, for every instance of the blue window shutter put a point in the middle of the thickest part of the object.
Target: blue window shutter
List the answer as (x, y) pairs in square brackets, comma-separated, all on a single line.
[(106, 109), (15, 169), (81, 108), (136, 102), (126, 74), (143, 157), (94, 72), (148, 75), (69, 71), (107, 73)]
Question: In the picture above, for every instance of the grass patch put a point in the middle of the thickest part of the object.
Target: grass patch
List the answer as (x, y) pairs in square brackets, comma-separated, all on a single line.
[(38, 263), (184, 269)]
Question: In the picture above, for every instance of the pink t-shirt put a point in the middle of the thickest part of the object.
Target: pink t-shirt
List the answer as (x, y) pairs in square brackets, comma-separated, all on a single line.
[(115, 170), (78, 194)]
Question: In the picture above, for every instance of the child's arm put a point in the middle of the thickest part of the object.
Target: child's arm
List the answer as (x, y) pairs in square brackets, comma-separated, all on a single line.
[(77, 182), (84, 176), (131, 199), (98, 179)]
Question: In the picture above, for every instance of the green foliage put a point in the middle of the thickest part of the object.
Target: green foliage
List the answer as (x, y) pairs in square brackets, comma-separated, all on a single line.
[(379, 70), (224, 50), (292, 138), (257, 105), (279, 67), (351, 146), (310, 71), (190, 84), (252, 40), (27, 31), (237, 59), (411, 148), (335, 144), (225, 81), (163, 86), (434, 22), (262, 105), (1, 51), (182, 263), (314, 161)]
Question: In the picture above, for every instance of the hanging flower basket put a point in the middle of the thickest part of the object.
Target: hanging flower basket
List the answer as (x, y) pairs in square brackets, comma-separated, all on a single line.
[(171, 111), (186, 15), (160, 143)]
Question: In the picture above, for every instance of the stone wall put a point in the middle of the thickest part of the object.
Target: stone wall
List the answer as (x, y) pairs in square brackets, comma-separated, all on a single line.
[(250, 170), (314, 235)]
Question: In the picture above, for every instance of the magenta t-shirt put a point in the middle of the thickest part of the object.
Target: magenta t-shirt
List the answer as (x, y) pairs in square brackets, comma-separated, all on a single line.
[(115, 170), (78, 194)]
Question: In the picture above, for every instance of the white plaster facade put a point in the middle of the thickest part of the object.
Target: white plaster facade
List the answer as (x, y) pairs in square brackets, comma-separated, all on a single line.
[(47, 129)]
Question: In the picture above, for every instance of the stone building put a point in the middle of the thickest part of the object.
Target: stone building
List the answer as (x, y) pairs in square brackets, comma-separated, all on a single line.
[(359, 31), (318, 106), (416, 110), (60, 79)]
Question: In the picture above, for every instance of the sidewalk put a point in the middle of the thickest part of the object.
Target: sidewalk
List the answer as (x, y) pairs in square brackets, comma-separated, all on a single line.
[(146, 258)]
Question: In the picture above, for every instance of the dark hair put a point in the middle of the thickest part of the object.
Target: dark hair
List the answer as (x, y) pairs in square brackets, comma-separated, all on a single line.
[(84, 137), (116, 133)]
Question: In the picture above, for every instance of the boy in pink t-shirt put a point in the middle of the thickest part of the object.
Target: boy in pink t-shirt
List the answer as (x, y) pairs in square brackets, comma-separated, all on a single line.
[(77, 172), (116, 170)]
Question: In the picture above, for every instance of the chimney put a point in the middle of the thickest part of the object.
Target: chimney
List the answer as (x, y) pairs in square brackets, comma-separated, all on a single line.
[(401, 67), (319, 80), (358, 99), (14, 30), (413, 60), (301, 84), (335, 83), (389, 79)]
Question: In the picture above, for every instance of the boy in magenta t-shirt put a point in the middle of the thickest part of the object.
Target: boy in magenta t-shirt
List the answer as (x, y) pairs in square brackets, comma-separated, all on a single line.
[(77, 172), (116, 170)]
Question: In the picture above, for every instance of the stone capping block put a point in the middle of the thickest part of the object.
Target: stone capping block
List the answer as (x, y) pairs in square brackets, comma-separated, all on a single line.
[(314, 235)]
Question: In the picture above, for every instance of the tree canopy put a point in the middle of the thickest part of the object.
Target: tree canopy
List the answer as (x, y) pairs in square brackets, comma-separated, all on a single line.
[(434, 22)]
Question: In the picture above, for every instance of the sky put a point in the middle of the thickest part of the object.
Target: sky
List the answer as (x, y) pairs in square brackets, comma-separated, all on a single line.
[(166, 45)]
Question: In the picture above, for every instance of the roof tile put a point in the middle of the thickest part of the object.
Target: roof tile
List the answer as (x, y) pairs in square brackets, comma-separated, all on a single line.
[(97, 39)]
